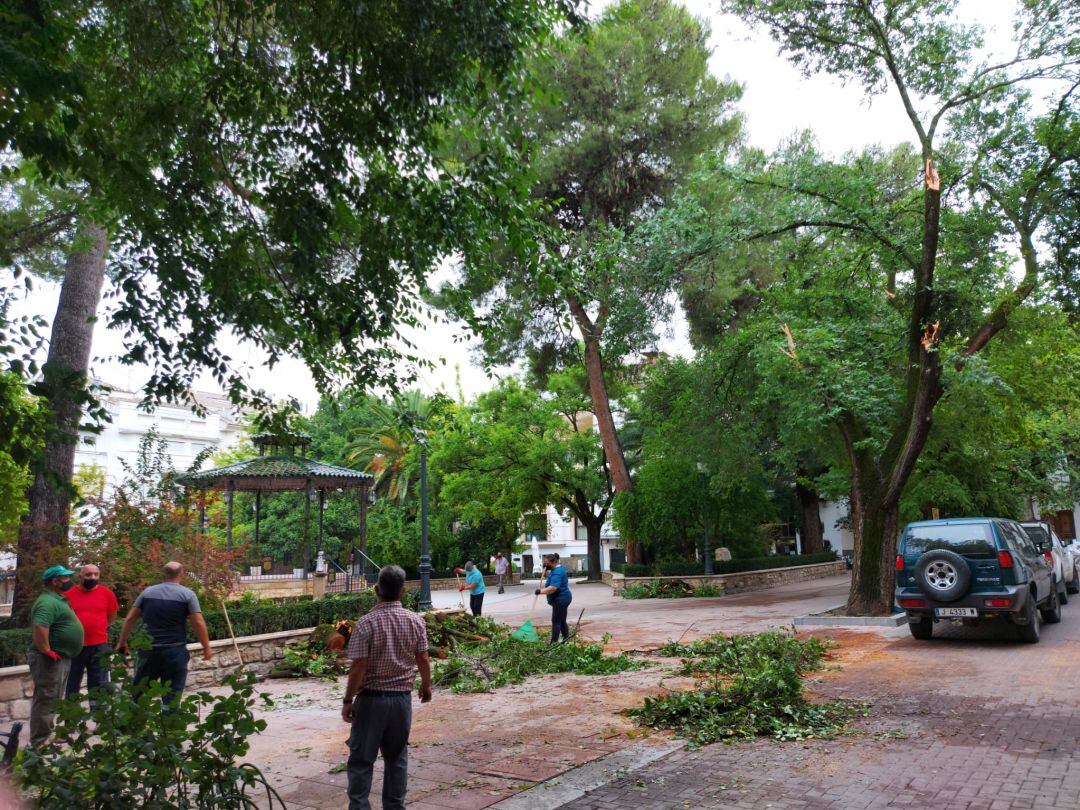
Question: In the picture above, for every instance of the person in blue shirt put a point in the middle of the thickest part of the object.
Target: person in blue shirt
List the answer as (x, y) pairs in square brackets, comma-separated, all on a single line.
[(558, 595), (474, 584)]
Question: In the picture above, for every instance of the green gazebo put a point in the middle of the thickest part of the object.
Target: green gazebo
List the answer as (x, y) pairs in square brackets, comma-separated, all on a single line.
[(280, 471)]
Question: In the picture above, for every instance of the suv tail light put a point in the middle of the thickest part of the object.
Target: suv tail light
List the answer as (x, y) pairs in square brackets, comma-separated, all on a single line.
[(899, 562), (1003, 603), (1005, 559), (1049, 556), (912, 603)]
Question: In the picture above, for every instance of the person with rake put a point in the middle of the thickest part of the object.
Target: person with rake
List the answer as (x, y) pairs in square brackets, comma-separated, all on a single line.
[(557, 591)]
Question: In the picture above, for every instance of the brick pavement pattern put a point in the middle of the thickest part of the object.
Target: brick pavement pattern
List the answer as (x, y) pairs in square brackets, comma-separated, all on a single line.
[(969, 721)]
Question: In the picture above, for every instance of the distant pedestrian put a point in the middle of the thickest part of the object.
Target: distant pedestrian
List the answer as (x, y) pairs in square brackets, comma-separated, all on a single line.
[(387, 647), (558, 595), (96, 607), (58, 637), (474, 584), (502, 569), (166, 609)]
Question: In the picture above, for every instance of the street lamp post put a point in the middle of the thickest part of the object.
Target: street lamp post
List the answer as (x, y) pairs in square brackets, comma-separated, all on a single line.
[(425, 556), (703, 472)]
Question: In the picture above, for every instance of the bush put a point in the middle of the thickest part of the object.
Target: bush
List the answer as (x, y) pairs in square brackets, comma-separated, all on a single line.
[(694, 568), (248, 619), (136, 755), (668, 589), (633, 569), (778, 561), (679, 568)]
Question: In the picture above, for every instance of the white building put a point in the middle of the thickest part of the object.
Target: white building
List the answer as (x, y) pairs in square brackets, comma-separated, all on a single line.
[(568, 538), (187, 433), (834, 516)]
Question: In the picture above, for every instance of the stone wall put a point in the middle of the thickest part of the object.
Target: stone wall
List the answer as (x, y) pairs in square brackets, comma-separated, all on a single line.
[(260, 654), (743, 581)]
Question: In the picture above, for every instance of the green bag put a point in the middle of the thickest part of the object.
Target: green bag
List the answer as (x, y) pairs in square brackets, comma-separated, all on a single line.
[(526, 632)]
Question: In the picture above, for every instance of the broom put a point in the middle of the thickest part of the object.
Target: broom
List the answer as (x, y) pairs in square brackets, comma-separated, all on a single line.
[(459, 591)]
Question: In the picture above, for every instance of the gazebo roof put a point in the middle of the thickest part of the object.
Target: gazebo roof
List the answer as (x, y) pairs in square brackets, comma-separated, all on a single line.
[(282, 473)]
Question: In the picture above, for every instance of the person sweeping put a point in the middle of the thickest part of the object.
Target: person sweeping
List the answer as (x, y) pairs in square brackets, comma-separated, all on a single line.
[(557, 591), (474, 584)]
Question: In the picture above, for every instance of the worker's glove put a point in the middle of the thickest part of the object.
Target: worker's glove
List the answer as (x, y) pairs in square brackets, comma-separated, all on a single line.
[(537, 592), (459, 570), (462, 588), (52, 655)]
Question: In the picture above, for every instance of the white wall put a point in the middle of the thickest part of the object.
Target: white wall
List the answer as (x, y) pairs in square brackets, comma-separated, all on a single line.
[(841, 538), (187, 433), (560, 538)]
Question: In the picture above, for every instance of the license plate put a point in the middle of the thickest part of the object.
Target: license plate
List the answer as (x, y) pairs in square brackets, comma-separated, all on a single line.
[(951, 613)]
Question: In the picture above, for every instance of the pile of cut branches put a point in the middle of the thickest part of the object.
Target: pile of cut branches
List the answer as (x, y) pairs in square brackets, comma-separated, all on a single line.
[(479, 655), (748, 685), (448, 630)]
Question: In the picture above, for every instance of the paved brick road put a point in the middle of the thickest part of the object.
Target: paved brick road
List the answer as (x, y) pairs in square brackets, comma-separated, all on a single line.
[(970, 720)]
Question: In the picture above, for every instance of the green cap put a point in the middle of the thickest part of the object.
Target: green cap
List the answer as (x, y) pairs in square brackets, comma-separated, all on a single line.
[(54, 571)]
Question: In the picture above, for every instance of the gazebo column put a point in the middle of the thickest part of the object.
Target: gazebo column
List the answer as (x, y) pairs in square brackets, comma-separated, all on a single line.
[(258, 508), (364, 491), (322, 510), (230, 496), (308, 495)]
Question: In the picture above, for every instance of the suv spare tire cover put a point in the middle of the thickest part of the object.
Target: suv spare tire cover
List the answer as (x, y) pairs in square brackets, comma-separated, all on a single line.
[(943, 575)]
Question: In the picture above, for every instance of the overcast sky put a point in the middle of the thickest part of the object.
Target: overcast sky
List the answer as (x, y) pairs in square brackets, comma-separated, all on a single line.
[(778, 101)]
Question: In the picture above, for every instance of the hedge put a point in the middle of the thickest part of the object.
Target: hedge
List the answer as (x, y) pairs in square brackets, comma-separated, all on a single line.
[(694, 568), (247, 620), (779, 561)]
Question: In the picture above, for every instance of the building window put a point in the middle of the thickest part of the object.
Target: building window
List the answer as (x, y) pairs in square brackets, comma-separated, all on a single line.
[(581, 533)]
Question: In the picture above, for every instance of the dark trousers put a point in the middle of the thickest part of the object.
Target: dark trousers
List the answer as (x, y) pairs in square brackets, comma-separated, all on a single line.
[(166, 664), (558, 620), (476, 603), (94, 661), (380, 724)]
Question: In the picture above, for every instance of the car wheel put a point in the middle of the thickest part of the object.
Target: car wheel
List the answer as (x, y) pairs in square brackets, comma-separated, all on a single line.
[(1051, 614), (943, 575), (1074, 586), (923, 629), (1029, 632), (1063, 594)]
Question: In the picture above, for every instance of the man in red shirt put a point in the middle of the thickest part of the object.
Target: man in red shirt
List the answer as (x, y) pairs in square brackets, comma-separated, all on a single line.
[(96, 607)]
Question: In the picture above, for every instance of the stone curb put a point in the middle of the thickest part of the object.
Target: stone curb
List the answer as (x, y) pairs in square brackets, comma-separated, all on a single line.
[(574, 784), (811, 620)]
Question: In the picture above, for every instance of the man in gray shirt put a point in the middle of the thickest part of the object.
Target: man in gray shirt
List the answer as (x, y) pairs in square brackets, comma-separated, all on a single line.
[(165, 610)]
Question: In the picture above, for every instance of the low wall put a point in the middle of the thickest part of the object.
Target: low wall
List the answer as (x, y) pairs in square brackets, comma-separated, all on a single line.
[(281, 588), (260, 654), (742, 581)]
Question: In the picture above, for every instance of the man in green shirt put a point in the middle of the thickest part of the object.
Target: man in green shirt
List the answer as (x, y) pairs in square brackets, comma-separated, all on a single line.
[(58, 637)]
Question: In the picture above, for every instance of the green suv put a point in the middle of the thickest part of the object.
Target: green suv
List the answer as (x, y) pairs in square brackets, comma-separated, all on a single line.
[(973, 570)]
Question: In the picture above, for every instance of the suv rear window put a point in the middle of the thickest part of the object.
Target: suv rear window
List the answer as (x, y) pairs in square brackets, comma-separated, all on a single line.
[(966, 539), (1039, 537)]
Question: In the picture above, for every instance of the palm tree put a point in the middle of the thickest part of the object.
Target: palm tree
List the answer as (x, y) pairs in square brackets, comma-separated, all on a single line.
[(382, 447)]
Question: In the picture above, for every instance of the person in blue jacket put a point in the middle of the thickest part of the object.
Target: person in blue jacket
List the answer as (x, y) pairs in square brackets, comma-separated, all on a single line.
[(558, 595)]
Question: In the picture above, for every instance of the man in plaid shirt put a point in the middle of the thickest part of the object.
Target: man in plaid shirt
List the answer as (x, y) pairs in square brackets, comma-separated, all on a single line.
[(386, 648)]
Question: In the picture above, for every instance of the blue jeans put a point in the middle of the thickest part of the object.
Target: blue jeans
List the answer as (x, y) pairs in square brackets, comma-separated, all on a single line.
[(558, 620), (380, 724), (94, 661), (166, 664)]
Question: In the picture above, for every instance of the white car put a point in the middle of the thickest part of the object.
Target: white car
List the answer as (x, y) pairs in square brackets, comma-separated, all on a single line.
[(1065, 562)]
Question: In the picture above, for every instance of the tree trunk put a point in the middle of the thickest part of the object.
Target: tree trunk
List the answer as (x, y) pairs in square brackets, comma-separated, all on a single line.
[(63, 389), (810, 502), (605, 422), (873, 580), (593, 529)]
